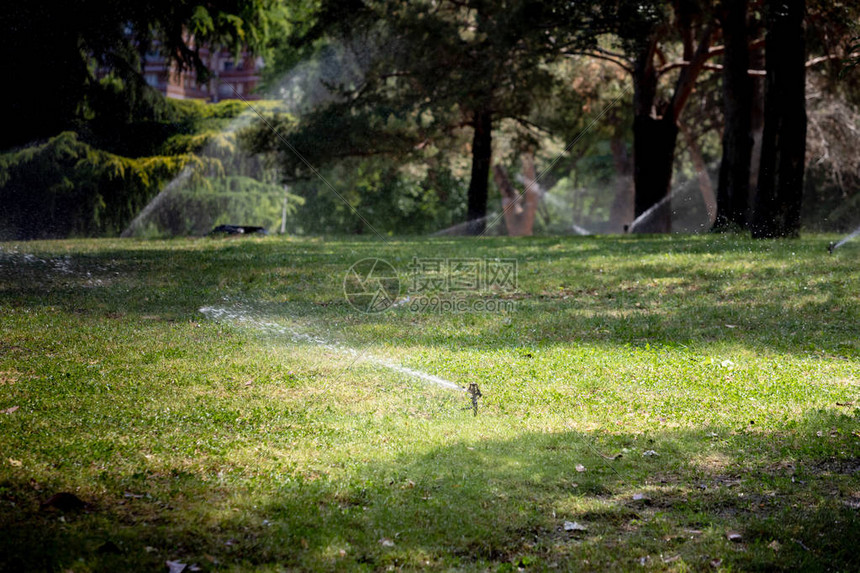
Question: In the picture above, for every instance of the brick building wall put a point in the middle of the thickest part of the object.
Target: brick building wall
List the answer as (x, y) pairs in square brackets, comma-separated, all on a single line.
[(230, 75)]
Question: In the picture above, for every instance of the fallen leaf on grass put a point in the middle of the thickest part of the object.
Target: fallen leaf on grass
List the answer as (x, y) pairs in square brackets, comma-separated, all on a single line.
[(775, 545), (650, 453), (640, 497), (15, 463), (249, 383), (715, 563), (175, 566), (385, 542), (734, 536), (671, 559), (580, 468), (9, 410), (574, 526)]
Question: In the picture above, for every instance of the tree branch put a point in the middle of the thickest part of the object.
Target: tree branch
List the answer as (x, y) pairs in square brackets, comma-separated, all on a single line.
[(687, 77), (624, 65)]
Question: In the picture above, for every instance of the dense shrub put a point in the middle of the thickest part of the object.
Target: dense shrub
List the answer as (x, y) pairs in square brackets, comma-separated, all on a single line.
[(66, 188)]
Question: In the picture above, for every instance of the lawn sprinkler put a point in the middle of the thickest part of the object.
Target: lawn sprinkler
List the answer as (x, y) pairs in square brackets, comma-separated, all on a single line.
[(475, 393), (831, 246)]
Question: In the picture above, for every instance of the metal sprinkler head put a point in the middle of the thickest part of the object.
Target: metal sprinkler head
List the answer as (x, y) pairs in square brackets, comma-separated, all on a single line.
[(831, 247), (475, 393)]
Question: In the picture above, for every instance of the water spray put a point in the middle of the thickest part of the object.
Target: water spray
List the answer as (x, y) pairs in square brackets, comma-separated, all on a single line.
[(239, 316), (835, 245)]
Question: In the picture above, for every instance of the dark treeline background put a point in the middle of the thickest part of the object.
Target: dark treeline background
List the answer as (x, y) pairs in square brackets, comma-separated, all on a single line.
[(424, 115)]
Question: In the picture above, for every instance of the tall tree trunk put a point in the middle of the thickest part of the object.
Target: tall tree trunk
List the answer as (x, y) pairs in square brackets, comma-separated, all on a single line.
[(482, 151), (706, 187), (777, 204), (653, 145), (621, 212), (511, 206), (733, 188), (531, 193), (654, 142), (655, 131), (757, 124), (519, 209)]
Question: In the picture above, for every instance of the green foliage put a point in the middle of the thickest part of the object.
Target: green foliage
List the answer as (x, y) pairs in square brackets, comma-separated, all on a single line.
[(196, 209), (58, 51), (394, 200), (66, 188), (149, 129)]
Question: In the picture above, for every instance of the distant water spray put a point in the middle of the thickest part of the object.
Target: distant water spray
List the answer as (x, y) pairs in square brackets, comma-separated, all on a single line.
[(646, 217), (156, 202), (463, 228), (241, 317), (303, 88), (580, 230), (854, 234), (689, 215)]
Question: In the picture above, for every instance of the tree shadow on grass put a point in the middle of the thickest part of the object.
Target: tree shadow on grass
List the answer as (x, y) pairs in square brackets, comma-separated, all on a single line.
[(792, 496)]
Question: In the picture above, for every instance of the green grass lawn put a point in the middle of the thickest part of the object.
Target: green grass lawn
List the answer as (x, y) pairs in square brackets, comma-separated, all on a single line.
[(660, 393)]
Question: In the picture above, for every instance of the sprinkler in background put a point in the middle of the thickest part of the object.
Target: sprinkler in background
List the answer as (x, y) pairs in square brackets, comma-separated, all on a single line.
[(475, 393), (831, 246)]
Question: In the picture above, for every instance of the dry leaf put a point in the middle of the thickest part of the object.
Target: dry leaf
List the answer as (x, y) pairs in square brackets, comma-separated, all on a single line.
[(650, 453), (175, 566), (734, 536), (574, 526), (580, 468), (15, 463), (9, 410), (715, 563), (775, 545), (385, 542)]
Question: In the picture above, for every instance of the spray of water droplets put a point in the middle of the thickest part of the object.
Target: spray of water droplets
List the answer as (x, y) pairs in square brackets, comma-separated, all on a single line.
[(241, 317)]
